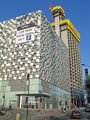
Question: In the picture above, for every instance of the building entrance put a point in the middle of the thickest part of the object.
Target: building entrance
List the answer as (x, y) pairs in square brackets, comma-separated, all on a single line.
[(32, 102)]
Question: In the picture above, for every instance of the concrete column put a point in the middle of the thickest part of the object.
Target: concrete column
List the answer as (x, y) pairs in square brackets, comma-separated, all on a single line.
[(45, 106), (64, 36), (73, 101), (76, 102), (50, 106), (57, 27), (20, 101)]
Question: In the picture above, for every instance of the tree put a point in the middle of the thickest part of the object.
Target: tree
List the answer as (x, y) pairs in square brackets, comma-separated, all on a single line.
[(87, 84)]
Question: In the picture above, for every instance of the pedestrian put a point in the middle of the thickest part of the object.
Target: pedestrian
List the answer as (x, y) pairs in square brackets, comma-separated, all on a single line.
[(64, 108), (10, 106)]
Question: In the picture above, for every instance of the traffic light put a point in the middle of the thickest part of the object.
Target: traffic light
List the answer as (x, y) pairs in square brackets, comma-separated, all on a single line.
[(28, 76), (4, 96), (41, 99), (26, 100), (86, 72)]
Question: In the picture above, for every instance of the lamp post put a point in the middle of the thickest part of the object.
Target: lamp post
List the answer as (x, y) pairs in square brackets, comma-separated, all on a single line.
[(28, 78), (85, 65)]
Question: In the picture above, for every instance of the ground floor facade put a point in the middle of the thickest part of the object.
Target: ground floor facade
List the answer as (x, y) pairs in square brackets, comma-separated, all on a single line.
[(41, 95), (77, 97)]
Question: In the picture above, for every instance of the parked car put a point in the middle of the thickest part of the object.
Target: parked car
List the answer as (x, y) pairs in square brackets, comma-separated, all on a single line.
[(87, 109), (83, 107), (75, 115)]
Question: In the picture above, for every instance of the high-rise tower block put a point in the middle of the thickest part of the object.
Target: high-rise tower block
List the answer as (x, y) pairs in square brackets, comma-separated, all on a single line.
[(71, 37)]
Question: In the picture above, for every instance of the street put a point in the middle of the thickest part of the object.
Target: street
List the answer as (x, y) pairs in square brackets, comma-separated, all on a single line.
[(44, 116), (84, 116)]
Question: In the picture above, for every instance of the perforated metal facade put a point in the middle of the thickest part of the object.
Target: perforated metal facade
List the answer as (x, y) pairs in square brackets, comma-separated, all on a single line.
[(28, 44)]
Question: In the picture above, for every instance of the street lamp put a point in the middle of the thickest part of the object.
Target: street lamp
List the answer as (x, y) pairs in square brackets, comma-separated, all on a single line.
[(85, 65), (28, 78)]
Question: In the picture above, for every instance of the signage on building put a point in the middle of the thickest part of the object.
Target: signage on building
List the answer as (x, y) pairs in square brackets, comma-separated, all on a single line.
[(40, 92), (25, 33)]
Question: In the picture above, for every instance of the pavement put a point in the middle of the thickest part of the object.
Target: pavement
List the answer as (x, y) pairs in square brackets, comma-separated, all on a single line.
[(45, 115)]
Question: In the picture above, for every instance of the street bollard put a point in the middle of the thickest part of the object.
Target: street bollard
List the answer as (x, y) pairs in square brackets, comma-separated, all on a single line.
[(18, 116)]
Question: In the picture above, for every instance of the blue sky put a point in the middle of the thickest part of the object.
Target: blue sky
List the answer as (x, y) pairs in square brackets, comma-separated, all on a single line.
[(78, 11)]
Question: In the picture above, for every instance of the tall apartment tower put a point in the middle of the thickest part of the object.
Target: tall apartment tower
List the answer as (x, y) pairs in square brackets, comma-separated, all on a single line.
[(65, 29)]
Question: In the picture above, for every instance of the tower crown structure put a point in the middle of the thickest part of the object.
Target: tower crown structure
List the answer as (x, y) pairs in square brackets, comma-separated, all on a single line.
[(58, 9), (58, 14)]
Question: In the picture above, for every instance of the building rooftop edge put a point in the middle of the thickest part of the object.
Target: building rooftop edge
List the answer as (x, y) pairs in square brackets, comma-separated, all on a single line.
[(21, 16), (57, 8), (70, 27)]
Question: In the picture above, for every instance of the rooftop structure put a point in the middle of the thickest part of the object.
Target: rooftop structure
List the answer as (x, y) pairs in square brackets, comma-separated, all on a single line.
[(70, 27)]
